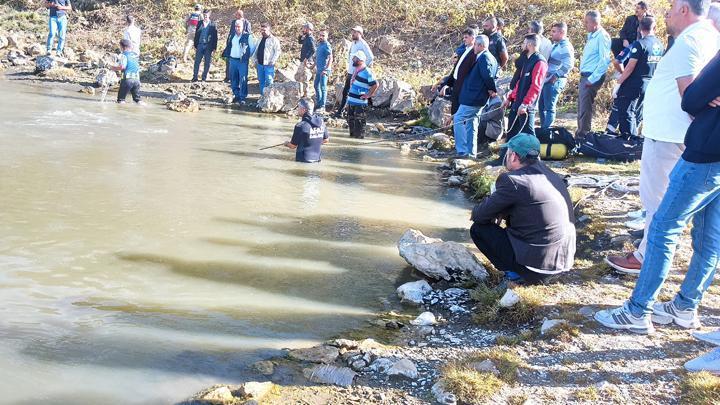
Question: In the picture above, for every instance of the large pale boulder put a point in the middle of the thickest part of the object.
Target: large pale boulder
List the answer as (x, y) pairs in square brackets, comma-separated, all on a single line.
[(384, 94), (287, 74), (438, 259), (403, 97), (185, 105), (388, 44), (280, 97), (106, 77), (218, 395), (414, 291), (337, 94), (403, 368), (254, 390), (332, 375), (439, 112), (318, 354)]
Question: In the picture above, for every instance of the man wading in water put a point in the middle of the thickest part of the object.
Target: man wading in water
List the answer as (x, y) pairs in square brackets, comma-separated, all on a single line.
[(130, 68), (309, 134)]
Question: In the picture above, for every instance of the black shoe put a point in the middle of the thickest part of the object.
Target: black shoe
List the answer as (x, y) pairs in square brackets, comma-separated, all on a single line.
[(226, 80), (194, 80), (235, 100)]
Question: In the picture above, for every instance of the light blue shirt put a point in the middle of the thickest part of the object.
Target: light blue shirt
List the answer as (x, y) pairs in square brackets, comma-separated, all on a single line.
[(562, 59), (596, 55)]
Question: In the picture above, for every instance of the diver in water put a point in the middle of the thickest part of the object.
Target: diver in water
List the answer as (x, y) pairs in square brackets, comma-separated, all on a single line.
[(309, 134)]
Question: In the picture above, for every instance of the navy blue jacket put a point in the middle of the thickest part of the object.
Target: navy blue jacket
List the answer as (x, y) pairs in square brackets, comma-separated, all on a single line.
[(702, 140), (481, 78)]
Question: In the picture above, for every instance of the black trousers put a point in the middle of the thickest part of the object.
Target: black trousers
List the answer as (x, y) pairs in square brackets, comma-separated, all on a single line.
[(356, 119), (346, 90), (494, 243), (129, 85)]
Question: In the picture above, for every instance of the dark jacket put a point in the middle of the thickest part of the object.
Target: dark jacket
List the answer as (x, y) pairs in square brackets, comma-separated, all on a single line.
[(212, 39), (456, 84), (630, 29), (536, 204), (308, 46), (702, 140), (308, 136), (474, 91), (530, 81), (247, 28)]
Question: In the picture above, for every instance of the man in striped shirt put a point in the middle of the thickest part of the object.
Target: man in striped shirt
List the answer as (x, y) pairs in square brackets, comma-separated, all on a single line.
[(362, 87)]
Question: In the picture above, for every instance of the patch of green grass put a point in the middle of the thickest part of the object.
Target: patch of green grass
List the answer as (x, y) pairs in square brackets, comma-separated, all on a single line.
[(470, 386), (565, 332), (480, 182), (22, 21), (490, 312), (700, 388), (586, 165), (514, 340), (589, 394), (506, 362)]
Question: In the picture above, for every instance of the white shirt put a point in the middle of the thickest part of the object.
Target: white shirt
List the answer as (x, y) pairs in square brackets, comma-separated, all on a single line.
[(460, 61), (359, 45), (663, 118), (235, 50), (545, 47), (133, 34)]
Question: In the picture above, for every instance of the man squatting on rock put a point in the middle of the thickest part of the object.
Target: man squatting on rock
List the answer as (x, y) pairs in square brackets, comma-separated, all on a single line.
[(539, 238), (130, 68), (309, 134)]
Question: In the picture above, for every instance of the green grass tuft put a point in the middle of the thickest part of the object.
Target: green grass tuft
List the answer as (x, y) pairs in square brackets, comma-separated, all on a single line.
[(700, 388)]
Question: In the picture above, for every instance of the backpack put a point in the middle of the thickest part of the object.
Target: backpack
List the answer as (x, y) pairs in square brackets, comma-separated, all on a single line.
[(556, 143), (611, 147)]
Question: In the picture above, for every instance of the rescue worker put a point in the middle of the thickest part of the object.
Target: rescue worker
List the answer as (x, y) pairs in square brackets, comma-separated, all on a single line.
[(309, 134)]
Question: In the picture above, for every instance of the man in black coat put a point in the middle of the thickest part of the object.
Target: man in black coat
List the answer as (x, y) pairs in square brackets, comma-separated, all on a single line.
[(205, 42), (539, 237), (630, 31), (247, 29), (453, 82)]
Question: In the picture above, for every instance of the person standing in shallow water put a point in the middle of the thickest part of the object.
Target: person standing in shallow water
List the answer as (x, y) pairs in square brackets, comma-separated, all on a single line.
[(57, 23), (362, 87), (309, 134), (130, 68)]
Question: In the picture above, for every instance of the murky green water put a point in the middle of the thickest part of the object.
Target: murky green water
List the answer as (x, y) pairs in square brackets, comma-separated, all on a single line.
[(145, 254)]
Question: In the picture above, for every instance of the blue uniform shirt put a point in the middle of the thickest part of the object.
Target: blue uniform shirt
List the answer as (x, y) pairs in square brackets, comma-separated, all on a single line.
[(54, 12)]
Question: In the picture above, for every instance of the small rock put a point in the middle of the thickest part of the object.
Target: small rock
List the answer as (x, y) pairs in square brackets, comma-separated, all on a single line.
[(441, 395), (88, 90), (405, 148), (620, 239), (187, 105), (332, 375), (424, 319), (345, 344), (3, 42), (318, 354), (455, 181), (381, 365), (358, 365), (457, 309), (255, 390), (403, 368), (34, 50), (264, 367), (219, 394), (44, 63), (414, 291), (13, 41), (549, 324), (587, 312), (380, 127), (509, 299), (440, 141), (454, 292), (175, 98), (387, 44), (486, 366)]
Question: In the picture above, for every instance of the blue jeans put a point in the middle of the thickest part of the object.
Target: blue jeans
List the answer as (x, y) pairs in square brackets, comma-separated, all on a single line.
[(548, 101), (239, 79), (466, 131), (692, 193), (266, 75), (58, 26), (202, 52), (320, 90)]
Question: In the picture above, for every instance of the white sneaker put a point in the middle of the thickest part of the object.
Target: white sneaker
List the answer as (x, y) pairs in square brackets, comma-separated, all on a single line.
[(666, 313), (636, 214), (709, 337), (621, 318), (709, 362), (636, 224)]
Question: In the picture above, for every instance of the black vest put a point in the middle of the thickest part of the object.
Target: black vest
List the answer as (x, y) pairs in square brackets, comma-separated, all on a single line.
[(525, 79)]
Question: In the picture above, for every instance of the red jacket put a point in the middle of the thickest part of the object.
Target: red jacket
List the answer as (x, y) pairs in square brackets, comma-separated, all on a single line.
[(528, 86)]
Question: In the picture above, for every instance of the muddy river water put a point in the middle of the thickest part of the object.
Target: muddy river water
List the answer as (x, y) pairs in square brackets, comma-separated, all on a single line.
[(146, 254)]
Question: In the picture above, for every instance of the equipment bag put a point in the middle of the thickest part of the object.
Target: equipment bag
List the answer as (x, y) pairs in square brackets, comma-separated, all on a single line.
[(556, 143), (611, 147)]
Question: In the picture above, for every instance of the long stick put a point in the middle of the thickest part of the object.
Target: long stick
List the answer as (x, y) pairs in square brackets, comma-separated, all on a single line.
[(273, 146)]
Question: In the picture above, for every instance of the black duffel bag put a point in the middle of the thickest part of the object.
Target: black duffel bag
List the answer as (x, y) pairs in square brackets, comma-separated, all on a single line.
[(611, 147), (556, 143)]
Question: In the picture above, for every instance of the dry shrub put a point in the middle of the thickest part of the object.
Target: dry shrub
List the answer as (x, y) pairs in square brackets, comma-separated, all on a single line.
[(700, 388)]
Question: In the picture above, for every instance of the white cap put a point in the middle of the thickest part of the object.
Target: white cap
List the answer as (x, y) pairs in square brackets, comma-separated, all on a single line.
[(360, 55), (358, 29), (309, 25)]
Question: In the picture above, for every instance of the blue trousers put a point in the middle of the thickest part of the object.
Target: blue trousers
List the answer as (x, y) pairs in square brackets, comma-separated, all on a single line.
[(239, 78), (202, 52), (266, 75), (320, 85), (465, 127), (693, 193), (58, 27), (548, 101)]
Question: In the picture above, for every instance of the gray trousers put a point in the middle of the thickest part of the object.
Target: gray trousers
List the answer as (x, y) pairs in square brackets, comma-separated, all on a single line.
[(586, 101)]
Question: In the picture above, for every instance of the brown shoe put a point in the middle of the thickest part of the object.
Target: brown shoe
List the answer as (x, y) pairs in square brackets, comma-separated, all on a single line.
[(625, 264)]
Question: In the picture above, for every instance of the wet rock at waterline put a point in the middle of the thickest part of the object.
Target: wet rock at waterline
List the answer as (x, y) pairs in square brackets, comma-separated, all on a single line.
[(106, 77), (44, 63), (438, 259), (440, 141), (280, 97), (186, 105), (331, 375), (218, 395), (318, 354), (424, 319), (88, 90), (413, 292), (265, 368), (253, 390)]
